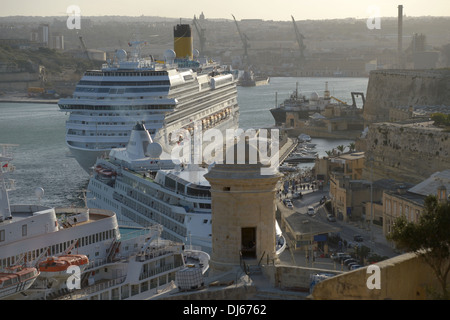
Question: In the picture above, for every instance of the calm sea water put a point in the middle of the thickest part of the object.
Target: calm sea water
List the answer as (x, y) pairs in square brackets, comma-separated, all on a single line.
[(41, 157)]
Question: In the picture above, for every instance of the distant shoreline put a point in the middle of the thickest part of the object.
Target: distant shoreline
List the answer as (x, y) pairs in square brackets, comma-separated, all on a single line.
[(28, 100)]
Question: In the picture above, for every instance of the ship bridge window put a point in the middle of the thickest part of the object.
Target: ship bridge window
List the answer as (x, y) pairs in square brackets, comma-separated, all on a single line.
[(170, 183), (180, 187), (198, 191), (124, 83)]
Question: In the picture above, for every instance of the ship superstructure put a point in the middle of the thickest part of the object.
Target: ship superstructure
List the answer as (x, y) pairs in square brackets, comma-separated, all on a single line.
[(144, 186), (41, 249), (167, 95)]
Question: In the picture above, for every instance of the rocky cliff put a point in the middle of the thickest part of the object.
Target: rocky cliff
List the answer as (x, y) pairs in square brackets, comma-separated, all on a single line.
[(388, 88)]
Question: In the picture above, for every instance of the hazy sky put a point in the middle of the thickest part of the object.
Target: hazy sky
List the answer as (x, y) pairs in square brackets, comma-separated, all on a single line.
[(242, 9)]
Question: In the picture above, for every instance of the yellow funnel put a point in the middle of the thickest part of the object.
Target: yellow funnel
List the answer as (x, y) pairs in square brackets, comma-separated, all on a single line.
[(183, 43)]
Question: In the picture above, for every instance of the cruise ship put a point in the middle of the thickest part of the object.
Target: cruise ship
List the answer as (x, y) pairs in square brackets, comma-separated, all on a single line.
[(41, 249), (168, 95), (144, 186)]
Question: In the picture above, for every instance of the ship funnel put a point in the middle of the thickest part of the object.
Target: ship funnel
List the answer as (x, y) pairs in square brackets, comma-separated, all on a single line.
[(141, 144), (139, 140), (183, 41)]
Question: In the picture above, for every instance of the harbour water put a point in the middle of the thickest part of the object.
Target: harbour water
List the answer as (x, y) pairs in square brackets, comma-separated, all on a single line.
[(43, 160)]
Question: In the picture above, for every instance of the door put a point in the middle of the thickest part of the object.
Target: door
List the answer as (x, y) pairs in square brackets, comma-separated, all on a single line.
[(248, 243)]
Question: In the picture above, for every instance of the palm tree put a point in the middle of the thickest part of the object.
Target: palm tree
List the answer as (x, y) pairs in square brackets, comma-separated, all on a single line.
[(341, 148), (352, 146)]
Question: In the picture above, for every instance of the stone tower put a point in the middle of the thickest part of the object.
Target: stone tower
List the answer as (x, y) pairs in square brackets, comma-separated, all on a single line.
[(243, 214)]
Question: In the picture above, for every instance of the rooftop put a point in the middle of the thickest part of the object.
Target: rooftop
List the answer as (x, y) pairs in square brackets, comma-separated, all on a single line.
[(302, 224), (431, 185)]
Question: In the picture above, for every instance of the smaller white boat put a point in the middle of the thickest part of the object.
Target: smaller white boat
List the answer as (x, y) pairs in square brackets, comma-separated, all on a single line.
[(304, 138), (307, 145), (300, 158)]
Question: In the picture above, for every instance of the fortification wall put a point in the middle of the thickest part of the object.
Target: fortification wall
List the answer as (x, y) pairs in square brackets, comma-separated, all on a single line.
[(409, 153), (405, 277), (388, 88)]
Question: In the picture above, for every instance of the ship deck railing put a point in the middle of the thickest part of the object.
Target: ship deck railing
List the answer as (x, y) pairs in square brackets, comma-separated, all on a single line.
[(98, 287)]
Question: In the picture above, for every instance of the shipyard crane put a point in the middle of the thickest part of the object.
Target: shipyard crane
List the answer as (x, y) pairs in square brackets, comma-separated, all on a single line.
[(244, 40), (83, 46), (301, 45), (201, 35)]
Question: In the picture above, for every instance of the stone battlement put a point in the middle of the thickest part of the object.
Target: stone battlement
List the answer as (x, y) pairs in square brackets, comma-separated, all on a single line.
[(390, 88)]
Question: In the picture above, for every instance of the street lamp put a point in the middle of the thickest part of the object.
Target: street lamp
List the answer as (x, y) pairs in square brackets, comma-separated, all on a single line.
[(371, 198)]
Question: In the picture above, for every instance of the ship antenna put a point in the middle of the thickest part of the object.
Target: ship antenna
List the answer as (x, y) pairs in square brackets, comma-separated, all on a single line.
[(85, 199), (39, 192)]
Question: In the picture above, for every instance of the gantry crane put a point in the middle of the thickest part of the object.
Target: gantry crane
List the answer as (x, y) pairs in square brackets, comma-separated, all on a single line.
[(301, 45), (245, 42), (201, 35), (83, 46)]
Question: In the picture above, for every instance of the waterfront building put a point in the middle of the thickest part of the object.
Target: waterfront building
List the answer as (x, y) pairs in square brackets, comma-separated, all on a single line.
[(409, 202)]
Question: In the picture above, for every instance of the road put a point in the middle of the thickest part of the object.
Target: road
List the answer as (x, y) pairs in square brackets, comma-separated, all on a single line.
[(372, 235)]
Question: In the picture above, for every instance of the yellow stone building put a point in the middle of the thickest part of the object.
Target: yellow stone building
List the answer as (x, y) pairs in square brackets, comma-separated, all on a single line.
[(243, 215), (409, 202)]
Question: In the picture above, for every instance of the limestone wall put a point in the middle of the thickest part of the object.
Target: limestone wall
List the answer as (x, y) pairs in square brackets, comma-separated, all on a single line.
[(388, 88), (405, 277), (292, 277), (408, 153)]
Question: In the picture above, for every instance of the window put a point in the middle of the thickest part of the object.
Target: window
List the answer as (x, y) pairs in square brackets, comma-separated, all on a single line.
[(24, 230), (2, 235)]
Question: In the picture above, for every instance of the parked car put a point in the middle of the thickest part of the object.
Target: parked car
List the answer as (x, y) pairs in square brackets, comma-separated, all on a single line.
[(338, 255), (346, 262), (331, 218), (290, 205), (358, 238), (352, 264), (355, 266), (311, 211), (342, 258), (297, 195)]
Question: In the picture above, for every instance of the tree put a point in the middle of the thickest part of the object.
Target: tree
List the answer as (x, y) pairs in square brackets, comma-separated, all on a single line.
[(341, 148), (351, 146), (362, 252), (429, 238)]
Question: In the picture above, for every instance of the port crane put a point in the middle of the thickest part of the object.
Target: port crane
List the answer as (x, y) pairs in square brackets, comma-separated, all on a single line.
[(83, 46), (301, 45), (245, 41), (201, 35)]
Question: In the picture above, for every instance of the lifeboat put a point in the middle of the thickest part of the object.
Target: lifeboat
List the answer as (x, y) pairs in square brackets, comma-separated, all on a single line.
[(107, 172), (16, 279), (57, 266)]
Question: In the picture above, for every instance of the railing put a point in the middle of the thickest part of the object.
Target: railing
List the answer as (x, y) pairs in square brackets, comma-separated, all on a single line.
[(93, 289), (243, 265), (160, 270)]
